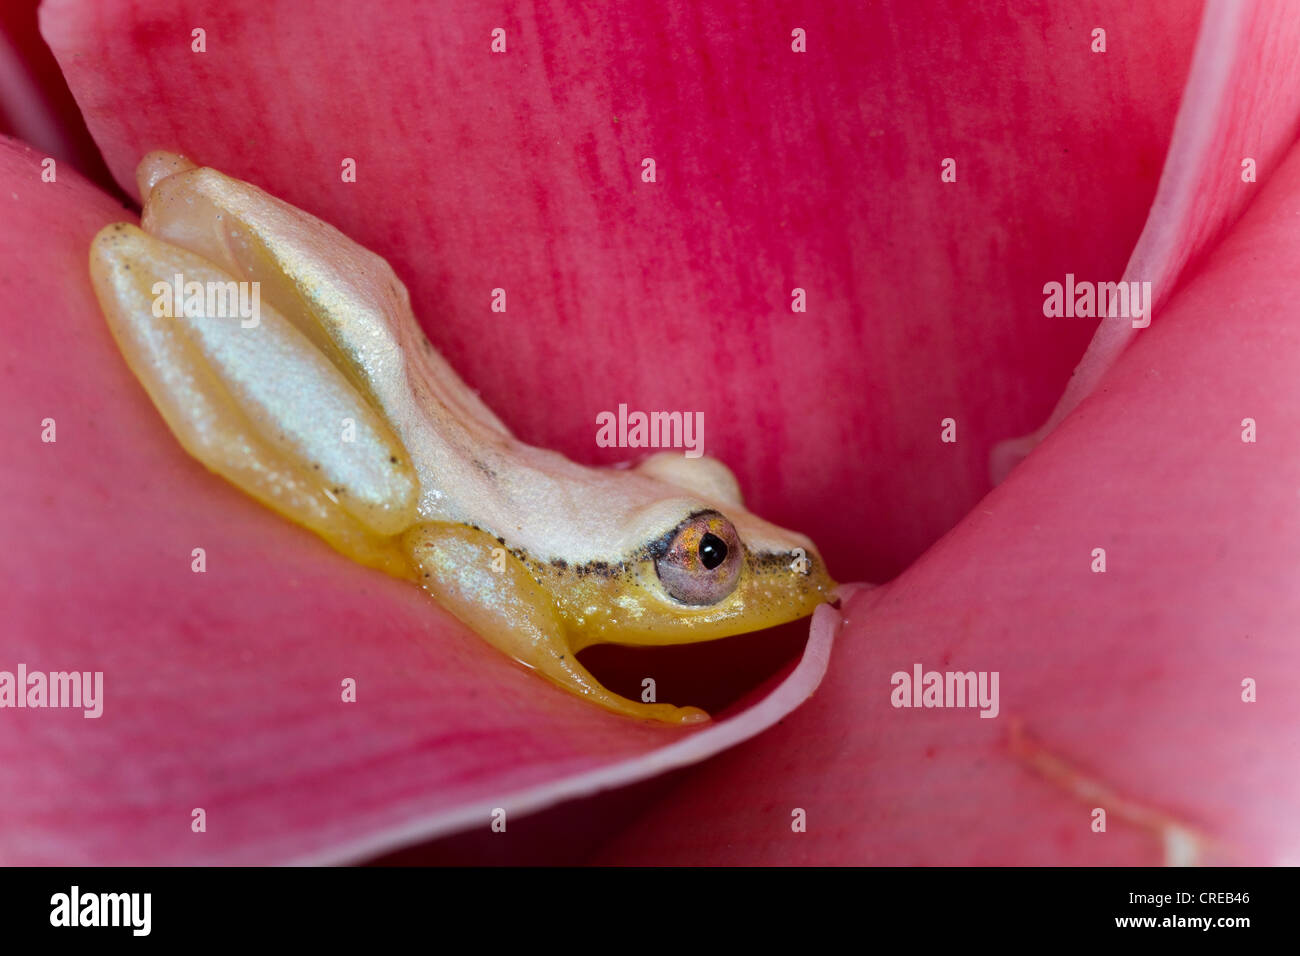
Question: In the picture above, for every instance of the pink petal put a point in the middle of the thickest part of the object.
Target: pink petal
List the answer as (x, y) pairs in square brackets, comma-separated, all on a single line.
[(776, 170), (222, 690), (35, 103), (1242, 100), (1121, 690)]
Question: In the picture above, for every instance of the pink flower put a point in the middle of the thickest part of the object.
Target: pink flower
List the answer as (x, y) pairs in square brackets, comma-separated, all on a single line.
[(776, 170)]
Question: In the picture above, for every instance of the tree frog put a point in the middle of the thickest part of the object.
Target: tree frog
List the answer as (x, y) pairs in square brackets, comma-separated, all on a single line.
[(331, 407)]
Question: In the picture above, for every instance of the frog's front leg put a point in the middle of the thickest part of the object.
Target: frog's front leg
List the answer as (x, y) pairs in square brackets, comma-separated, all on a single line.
[(471, 575)]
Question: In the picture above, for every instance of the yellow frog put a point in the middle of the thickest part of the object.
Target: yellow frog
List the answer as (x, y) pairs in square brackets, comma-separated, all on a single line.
[(326, 402)]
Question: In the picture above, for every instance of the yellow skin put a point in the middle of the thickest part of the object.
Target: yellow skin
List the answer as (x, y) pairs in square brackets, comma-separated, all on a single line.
[(331, 407)]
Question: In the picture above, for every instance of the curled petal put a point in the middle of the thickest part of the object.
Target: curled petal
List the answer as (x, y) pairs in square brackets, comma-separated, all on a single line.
[(1240, 113), (1125, 690)]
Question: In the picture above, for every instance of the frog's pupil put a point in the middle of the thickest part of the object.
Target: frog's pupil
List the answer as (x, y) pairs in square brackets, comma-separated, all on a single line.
[(713, 550)]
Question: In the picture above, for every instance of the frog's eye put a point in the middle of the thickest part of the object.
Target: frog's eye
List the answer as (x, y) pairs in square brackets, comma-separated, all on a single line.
[(698, 562)]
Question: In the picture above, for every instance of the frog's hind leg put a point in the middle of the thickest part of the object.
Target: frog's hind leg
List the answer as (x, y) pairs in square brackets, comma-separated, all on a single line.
[(491, 590), (252, 398), (342, 296)]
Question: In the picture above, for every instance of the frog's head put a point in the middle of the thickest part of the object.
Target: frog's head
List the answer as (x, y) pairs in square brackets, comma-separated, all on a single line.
[(705, 567)]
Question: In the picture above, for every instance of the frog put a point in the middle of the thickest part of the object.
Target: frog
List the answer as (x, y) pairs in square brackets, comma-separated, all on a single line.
[(331, 407)]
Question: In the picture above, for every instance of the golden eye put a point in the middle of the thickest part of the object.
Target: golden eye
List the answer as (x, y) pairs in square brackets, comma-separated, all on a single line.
[(698, 562)]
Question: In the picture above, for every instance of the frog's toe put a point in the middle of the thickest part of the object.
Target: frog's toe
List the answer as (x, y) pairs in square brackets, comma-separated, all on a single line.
[(664, 713)]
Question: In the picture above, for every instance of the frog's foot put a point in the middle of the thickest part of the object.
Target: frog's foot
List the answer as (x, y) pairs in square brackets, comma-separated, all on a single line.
[(474, 577)]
